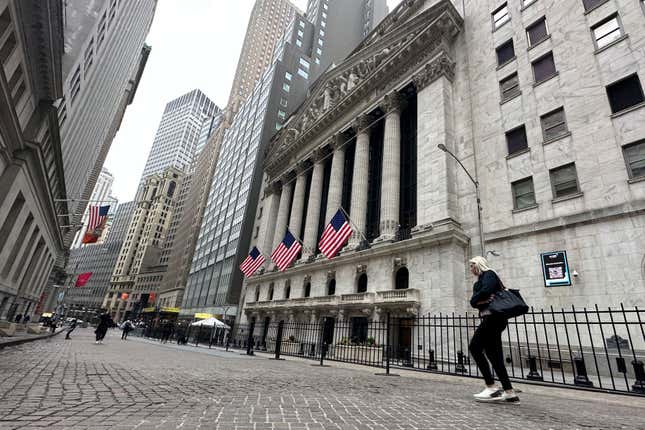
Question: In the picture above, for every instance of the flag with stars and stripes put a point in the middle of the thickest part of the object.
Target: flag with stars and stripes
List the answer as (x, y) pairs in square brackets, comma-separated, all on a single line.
[(252, 262), (286, 252), (95, 223), (335, 235)]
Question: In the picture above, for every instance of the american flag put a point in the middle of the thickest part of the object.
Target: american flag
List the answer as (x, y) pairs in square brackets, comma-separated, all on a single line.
[(98, 214), (286, 252), (335, 235), (252, 262)]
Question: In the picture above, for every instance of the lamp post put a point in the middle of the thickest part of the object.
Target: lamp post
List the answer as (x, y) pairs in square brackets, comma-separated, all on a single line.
[(479, 206)]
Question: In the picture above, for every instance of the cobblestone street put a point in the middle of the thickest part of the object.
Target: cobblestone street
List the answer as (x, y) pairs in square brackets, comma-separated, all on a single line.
[(58, 384)]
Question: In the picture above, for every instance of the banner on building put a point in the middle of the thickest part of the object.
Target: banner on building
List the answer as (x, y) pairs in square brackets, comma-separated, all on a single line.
[(82, 279), (555, 268)]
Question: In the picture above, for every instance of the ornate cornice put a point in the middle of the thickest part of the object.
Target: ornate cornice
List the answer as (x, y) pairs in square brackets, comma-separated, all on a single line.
[(392, 102), (362, 124), (442, 66), (367, 72)]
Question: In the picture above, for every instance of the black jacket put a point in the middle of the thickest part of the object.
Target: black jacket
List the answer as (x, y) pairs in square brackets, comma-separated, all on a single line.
[(487, 284)]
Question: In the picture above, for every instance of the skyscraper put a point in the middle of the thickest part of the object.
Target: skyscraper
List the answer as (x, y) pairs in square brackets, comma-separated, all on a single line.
[(102, 196), (214, 282), (179, 132), (267, 23), (104, 58)]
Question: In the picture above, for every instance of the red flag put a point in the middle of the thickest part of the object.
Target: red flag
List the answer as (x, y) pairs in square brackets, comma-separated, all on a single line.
[(83, 278)]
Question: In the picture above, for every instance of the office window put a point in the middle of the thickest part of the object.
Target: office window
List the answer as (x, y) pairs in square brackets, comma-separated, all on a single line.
[(318, 51), (523, 193), (564, 180), (590, 4), (283, 102), (303, 73), (516, 140), (320, 42), (634, 154), (281, 114), (286, 87), (304, 63), (317, 60), (298, 43), (505, 52), (323, 24), (322, 32), (278, 126), (509, 87), (526, 3), (625, 93), (301, 33), (606, 31), (288, 76), (500, 16), (553, 124), (537, 32), (301, 24), (543, 68)]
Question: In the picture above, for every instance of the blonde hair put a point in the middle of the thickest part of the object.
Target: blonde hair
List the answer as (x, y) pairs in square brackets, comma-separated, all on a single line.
[(481, 264)]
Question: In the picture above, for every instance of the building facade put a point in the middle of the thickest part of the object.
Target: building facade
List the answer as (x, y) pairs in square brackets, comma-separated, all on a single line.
[(99, 259), (104, 58), (32, 184), (214, 283), (267, 23), (137, 275), (549, 119), (102, 195), (179, 132)]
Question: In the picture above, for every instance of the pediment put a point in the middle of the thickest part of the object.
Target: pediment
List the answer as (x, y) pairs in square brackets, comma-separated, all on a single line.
[(394, 43)]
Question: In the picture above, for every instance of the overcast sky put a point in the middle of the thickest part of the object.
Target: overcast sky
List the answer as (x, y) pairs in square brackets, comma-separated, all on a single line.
[(195, 44)]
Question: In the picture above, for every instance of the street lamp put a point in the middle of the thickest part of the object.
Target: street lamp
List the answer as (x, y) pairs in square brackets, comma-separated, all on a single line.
[(479, 206)]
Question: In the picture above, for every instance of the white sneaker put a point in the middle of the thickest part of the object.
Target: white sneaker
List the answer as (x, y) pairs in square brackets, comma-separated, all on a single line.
[(511, 398), (489, 394)]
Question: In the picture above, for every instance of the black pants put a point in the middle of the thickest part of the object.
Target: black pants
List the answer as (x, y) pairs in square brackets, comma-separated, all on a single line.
[(487, 343), (70, 332), (124, 335)]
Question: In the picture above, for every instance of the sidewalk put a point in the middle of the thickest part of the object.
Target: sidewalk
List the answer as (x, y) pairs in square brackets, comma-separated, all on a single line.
[(25, 337)]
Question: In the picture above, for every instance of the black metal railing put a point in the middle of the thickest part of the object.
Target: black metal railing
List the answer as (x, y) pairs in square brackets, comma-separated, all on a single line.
[(599, 349)]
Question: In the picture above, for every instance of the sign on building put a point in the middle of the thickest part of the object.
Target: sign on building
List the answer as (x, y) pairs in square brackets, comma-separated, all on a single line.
[(555, 268)]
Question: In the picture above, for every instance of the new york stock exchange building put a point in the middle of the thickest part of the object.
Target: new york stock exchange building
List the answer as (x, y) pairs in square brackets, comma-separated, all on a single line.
[(553, 148)]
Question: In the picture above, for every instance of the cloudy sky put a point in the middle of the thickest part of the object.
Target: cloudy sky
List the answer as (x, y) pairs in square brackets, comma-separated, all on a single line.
[(195, 44)]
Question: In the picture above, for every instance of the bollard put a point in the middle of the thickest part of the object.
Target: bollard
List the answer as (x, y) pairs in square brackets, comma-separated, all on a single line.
[(460, 363), (432, 365), (533, 375), (639, 371), (581, 373)]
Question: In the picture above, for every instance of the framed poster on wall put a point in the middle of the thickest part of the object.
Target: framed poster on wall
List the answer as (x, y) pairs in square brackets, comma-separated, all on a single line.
[(555, 268)]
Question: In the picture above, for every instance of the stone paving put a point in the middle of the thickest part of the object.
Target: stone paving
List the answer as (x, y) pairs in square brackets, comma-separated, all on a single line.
[(137, 384)]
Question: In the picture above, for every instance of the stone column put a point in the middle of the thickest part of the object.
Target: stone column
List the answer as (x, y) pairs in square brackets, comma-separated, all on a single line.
[(436, 196), (283, 212), (335, 193), (313, 208), (295, 221), (268, 220), (358, 206), (391, 176)]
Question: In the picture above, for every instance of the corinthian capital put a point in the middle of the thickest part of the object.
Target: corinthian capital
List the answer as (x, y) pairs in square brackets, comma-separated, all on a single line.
[(441, 66), (391, 102), (361, 124)]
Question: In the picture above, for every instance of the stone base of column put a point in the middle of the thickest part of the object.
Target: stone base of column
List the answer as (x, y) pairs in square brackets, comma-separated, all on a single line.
[(385, 238)]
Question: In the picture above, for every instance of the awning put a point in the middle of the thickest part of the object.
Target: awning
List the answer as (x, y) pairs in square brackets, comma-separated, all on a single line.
[(211, 322)]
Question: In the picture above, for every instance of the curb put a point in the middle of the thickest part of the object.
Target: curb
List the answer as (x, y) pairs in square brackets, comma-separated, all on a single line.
[(28, 339)]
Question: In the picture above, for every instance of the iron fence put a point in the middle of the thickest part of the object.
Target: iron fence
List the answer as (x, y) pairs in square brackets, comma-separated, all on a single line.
[(597, 349)]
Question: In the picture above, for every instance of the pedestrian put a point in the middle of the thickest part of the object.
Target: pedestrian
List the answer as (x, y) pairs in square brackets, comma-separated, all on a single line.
[(105, 322), (126, 327), (18, 318), (486, 343), (72, 327), (26, 319)]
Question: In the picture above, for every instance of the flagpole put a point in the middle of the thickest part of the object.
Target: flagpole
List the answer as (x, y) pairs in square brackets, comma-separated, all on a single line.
[(352, 223)]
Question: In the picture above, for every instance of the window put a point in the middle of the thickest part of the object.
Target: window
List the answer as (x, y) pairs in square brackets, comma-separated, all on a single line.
[(516, 140), (320, 42), (317, 60), (301, 33), (322, 32), (523, 193), (625, 93), (526, 3), (543, 68), (301, 24), (283, 102), (298, 43), (500, 16), (635, 159), (281, 114), (554, 124), (537, 32), (564, 180), (287, 290), (509, 87), (288, 76), (304, 63), (331, 287), (606, 31), (307, 291), (505, 52), (270, 294), (286, 87), (590, 4), (278, 126), (303, 73)]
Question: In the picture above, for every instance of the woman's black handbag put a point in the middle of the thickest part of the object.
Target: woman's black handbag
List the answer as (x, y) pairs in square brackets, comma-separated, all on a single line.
[(508, 303)]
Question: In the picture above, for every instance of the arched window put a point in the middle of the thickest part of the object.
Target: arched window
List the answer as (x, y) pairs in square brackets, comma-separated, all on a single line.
[(257, 293), (331, 287), (361, 285), (270, 296), (402, 280), (307, 289), (287, 289)]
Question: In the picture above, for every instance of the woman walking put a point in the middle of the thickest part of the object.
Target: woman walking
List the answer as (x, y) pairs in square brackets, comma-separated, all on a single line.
[(487, 340), (105, 322)]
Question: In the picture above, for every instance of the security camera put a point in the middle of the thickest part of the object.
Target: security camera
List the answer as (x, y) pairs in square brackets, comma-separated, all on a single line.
[(575, 273)]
